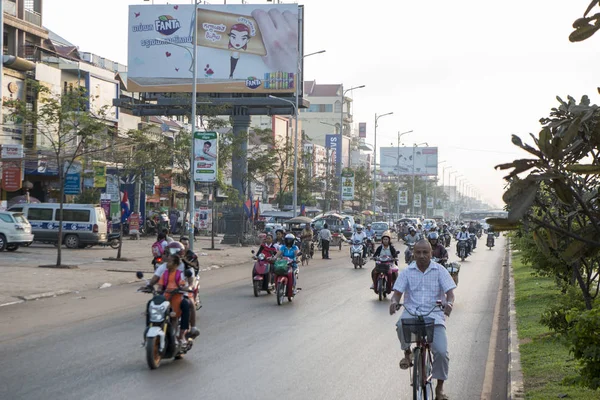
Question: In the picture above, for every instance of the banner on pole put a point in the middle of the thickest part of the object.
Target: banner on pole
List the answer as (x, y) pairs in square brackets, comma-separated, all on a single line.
[(347, 185), (206, 156), (417, 200), (403, 197), (430, 202)]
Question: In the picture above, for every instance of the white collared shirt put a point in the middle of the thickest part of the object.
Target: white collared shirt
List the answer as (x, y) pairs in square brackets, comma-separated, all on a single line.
[(421, 290)]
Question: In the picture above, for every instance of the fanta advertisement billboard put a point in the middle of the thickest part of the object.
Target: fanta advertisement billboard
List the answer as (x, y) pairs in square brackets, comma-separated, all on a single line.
[(241, 48)]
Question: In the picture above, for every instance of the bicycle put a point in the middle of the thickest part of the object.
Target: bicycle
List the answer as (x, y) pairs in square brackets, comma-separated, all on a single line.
[(419, 330)]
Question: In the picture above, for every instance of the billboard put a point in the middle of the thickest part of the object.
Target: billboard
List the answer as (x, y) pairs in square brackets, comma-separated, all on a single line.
[(241, 48), (206, 156), (417, 200), (333, 143), (348, 185), (362, 129), (403, 197), (399, 161)]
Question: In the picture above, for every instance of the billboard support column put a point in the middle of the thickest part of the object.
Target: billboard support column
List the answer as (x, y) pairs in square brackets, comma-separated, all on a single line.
[(234, 221), (192, 199)]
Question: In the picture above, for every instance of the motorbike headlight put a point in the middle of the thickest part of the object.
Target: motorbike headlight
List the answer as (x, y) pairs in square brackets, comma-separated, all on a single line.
[(261, 256), (156, 313)]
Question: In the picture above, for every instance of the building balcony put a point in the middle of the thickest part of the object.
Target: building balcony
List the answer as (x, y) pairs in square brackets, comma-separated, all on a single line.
[(33, 17), (10, 7)]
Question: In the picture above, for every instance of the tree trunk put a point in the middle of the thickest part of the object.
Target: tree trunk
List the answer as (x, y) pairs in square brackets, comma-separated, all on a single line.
[(60, 213), (584, 288)]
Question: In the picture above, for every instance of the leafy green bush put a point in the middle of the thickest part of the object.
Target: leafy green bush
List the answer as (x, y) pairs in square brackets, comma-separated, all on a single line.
[(559, 316), (585, 344)]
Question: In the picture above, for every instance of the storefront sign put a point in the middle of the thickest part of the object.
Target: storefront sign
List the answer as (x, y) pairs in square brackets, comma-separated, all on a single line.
[(11, 176)]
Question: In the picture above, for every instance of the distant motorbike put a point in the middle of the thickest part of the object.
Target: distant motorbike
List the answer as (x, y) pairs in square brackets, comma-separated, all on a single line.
[(384, 267), (479, 234), (162, 330), (490, 240), (112, 240), (408, 254), (473, 239), (356, 250), (447, 239), (453, 268), (261, 271), (284, 280), (462, 249), (370, 243)]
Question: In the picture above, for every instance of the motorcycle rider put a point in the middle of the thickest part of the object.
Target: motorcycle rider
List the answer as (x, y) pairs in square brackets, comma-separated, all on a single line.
[(177, 249), (269, 250), (473, 229), (420, 231), (411, 239), (190, 259), (438, 249), (385, 249), (168, 281), (290, 250), (360, 236), (279, 234), (463, 235), (369, 231)]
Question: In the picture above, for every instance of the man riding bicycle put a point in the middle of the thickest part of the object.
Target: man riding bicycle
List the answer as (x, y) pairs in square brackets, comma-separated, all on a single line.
[(425, 282)]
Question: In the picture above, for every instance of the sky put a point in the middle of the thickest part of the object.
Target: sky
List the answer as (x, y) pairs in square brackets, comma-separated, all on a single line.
[(463, 75)]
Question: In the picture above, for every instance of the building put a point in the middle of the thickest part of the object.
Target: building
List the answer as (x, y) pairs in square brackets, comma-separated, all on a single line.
[(324, 115)]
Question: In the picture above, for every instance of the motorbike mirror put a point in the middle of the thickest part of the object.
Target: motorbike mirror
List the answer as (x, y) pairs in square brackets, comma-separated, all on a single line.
[(188, 273), (139, 274)]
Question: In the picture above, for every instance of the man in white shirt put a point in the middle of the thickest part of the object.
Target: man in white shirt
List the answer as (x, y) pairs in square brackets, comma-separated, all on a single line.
[(325, 236), (360, 236), (423, 283)]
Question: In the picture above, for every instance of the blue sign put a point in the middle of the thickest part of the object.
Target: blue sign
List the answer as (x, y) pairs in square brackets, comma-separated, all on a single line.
[(67, 226), (334, 143), (73, 184)]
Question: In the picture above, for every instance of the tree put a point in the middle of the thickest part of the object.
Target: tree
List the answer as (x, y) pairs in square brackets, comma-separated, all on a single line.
[(72, 127), (587, 25), (279, 169), (363, 187), (558, 204)]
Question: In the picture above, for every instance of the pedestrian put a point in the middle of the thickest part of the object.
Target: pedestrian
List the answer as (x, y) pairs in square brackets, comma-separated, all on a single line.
[(325, 236)]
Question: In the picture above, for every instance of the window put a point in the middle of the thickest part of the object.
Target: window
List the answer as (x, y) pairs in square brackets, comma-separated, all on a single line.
[(20, 218), (74, 215), (16, 209), (338, 106), (320, 108), (40, 214), (100, 215), (6, 218)]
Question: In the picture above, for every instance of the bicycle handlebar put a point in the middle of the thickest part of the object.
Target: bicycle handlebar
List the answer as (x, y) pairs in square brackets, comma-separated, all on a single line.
[(438, 305)]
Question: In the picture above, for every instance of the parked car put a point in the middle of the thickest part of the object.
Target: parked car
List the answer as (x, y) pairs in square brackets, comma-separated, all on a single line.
[(83, 224), (379, 228), (15, 231)]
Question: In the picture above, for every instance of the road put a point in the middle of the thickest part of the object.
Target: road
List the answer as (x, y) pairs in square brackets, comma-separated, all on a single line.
[(335, 341)]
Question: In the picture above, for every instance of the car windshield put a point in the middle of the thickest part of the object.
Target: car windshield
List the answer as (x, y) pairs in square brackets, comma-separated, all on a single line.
[(380, 226)]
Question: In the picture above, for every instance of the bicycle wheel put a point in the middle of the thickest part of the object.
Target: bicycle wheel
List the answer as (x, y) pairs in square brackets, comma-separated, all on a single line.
[(417, 375), (427, 370)]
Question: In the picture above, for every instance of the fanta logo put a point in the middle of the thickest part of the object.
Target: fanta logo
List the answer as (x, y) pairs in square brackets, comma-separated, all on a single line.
[(166, 25), (253, 82)]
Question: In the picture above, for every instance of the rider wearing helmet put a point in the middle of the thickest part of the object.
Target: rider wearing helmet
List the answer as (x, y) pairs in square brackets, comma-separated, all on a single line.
[(437, 249), (289, 250), (360, 236), (176, 251), (463, 235), (385, 249), (369, 231)]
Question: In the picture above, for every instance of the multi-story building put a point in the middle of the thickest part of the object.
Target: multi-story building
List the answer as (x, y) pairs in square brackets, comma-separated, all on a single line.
[(325, 113)]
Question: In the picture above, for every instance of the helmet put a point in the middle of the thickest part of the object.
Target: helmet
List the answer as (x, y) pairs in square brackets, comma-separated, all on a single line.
[(289, 239), (463, 227), (359, 227), (386, 234), (433, 236), (175, 248), (368, 225), (412, 229)]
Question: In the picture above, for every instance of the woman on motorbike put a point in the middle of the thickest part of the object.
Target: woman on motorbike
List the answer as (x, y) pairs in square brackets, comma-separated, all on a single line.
[(269, 250), (385, 249), (173, 279), (289, 250)]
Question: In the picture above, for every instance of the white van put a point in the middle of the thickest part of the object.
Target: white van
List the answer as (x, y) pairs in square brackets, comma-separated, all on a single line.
[(83, 224)]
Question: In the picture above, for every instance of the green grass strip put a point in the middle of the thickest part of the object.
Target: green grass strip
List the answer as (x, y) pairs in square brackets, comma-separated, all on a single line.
[(545, 360)]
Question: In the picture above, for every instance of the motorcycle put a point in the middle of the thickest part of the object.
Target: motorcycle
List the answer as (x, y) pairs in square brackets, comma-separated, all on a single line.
[(408, 254), (479, 234), (370, 243), (284, 281), (473, 239), (156, 261), (461, 250), (160, 337), (262, 267), (447, 239), (384, 267), (356, 250), (453, 268), (112, 240), (490, 240)]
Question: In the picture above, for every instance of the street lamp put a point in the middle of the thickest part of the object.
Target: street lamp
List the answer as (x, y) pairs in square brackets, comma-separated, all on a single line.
[(298, 83), (413, 174), (375, 161), (398, 172), (340, 145)]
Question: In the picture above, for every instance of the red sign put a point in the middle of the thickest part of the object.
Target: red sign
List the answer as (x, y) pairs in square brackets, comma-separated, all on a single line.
[(11, 177), (134, 222)]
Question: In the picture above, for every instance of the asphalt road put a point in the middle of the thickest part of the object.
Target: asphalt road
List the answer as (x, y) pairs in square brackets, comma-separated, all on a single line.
[(335, 341)]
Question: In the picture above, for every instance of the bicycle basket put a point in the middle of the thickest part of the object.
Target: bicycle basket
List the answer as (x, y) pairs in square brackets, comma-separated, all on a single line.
[(416, 331), (281, 267), (382, 268)]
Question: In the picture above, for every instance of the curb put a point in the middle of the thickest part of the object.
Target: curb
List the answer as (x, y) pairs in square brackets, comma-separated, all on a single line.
[(45, 295), (515, 375)]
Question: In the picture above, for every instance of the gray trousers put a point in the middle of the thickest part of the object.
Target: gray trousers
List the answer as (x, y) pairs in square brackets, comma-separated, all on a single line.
[(439, 349)]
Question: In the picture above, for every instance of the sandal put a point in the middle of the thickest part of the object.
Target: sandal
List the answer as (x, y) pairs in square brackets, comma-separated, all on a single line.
[(406, 362), (441, 397)]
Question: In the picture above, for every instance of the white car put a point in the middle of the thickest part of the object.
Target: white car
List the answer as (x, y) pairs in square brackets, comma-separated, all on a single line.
[(15, 230)]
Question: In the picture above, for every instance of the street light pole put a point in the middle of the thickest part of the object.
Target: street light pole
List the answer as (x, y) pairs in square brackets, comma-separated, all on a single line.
[(398, 173), (375, 162), (341, 144)]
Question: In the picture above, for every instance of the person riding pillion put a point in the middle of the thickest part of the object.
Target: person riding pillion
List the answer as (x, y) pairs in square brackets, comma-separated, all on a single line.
[(385, 249)]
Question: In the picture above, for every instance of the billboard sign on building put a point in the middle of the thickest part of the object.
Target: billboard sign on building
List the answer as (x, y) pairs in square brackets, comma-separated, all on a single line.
[(206, 156), (241, 48), (12, 151), (332, 142), (398, 161), (362, 129)]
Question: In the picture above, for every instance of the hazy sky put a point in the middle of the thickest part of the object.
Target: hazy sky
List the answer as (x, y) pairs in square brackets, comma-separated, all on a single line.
[(464, 74)]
